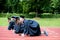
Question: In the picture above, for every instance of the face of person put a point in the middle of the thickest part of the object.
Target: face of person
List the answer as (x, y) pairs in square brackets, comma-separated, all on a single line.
[(18, 21), (21, 20), (13, 19)]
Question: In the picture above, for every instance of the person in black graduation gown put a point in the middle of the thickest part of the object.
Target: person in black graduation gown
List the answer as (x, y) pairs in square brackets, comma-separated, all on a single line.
[(33, 28), (18, 28), (29, 27), (11, 23)]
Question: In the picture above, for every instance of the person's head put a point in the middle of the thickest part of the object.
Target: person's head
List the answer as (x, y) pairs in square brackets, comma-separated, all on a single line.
[(13, 18), (21, 19), (9, 19), (17, 20)]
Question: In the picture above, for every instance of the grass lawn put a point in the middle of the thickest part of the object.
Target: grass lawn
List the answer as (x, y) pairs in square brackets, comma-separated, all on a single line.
[(44, 22), (3, 22), (49, 22)]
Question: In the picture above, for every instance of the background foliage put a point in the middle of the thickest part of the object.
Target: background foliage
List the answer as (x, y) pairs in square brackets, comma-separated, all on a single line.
[(27, 6)]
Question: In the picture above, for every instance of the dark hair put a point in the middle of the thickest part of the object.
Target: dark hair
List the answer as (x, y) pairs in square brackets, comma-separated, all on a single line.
[(22, 16), (17, 18), (9, 18), (13, 17)]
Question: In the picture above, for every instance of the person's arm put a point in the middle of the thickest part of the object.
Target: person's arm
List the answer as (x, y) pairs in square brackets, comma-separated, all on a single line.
[(17, 29), (26, 28), (9, 27)]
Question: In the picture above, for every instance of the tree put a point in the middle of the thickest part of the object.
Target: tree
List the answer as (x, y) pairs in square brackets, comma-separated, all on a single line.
[(12, 5), (39, 5), (25, 5), (54, 5), (2, 5), (58, 6)]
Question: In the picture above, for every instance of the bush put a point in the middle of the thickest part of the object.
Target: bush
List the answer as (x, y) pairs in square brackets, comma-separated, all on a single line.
[(31, 15), (14, 14), (50, 15)]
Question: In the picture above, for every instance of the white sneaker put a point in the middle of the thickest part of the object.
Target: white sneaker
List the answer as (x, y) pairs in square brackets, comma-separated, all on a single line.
[(45, 32)]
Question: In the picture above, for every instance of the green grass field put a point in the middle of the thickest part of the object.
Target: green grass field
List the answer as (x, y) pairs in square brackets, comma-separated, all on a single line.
[(3, 22), (44, 22)]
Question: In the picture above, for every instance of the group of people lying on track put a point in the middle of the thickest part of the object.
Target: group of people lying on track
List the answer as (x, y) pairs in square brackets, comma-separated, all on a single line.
[(24, 27)]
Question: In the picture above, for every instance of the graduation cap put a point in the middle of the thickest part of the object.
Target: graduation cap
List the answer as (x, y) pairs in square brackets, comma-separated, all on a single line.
[(22, 16), (17, 18), (14, 17)]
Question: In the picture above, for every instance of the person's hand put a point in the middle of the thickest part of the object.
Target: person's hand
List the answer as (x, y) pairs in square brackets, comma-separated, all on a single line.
[(13, 31), (22, 35)]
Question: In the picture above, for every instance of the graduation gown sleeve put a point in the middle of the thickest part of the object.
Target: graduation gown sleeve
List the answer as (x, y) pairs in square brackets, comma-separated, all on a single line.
[(11, 25), (19, 28), (26, 27)]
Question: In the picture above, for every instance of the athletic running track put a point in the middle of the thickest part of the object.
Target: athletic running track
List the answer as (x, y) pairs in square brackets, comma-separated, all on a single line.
[(54, 34)]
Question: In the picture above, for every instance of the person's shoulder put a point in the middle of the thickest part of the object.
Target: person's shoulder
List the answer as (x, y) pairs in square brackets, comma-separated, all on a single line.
[(28, 20), (25, 20), (31, 20)]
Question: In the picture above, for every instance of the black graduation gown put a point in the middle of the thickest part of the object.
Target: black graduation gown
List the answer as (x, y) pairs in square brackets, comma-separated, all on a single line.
[(18, 28), (31, 28)]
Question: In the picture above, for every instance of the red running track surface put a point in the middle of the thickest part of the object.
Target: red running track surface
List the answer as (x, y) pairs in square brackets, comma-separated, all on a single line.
[(54, 34)]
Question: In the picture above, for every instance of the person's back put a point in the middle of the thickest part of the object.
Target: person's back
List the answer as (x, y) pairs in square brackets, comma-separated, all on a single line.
[(32, 28), (35, 28)]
